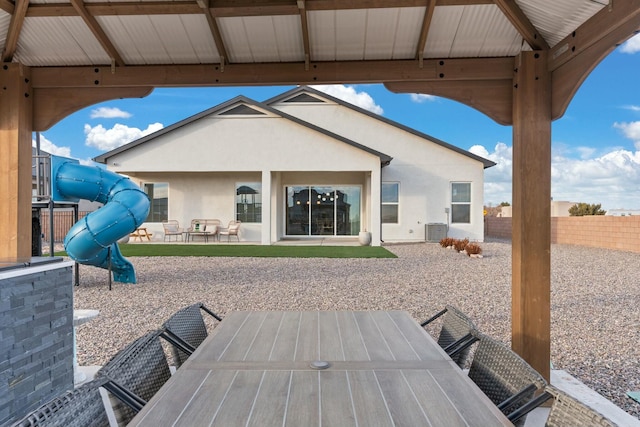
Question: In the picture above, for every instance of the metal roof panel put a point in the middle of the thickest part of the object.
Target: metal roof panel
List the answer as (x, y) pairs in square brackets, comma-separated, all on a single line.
[(557, 19), (484, 31), (58, 41)]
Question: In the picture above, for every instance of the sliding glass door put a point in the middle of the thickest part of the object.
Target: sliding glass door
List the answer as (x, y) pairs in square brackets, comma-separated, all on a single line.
[(323, 210)]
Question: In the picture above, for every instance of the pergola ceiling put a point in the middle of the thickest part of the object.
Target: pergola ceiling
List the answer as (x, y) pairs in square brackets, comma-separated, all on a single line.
[(44, 33), (460, 49)]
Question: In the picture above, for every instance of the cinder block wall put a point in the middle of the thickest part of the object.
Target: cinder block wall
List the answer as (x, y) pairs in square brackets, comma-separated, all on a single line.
[(36, 337), (600, 231), (498, 227)]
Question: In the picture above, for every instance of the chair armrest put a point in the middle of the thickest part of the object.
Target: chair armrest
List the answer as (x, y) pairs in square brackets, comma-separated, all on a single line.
[(517, 397), (462, 344), (125, 395), (176, 341), (516, 415), (211, 313), (431, 319)]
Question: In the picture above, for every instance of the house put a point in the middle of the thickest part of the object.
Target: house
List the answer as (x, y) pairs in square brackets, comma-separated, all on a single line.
[(305, 164)]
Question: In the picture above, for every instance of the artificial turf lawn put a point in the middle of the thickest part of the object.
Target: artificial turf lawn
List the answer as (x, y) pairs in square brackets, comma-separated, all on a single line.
[(129, 250)]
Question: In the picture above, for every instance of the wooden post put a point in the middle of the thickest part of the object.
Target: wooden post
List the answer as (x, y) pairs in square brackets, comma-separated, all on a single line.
[(16, 108), (531, 260)]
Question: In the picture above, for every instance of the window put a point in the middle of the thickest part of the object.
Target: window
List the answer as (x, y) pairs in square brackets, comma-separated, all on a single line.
[(332, 210), (461, 202), (390, 191), (158, 193), (249, 201)]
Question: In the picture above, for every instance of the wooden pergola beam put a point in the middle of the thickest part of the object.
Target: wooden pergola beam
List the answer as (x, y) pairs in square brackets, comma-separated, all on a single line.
[(215, 31), (226, 8), (98, 32), (491, 97), (520, 21), (571, 60), (618, 14), (13, 33), (16, 104), (531, 234), (304, 27), (424, 30), (265, 74)]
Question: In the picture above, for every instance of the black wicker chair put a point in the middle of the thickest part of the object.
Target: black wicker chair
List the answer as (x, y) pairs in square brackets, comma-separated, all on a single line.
[(565, 411), (188, 325), (82, 407), (507, 379), (140, 369), (456, 333)]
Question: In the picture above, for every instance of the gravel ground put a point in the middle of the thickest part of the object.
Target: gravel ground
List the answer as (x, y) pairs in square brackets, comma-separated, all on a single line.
[(595, 324)]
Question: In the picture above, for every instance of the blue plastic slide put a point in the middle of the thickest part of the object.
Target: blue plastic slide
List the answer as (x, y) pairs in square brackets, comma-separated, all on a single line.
[(125, 208)]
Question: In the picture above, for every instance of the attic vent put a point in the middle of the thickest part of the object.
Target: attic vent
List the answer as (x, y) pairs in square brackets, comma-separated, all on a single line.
[(304, 97), (242, 110)]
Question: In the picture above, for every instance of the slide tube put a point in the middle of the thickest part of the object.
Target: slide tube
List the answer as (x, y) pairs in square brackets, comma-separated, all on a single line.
[(125, 208)]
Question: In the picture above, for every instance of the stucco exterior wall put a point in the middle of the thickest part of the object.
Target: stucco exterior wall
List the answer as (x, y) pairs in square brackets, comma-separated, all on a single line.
[(243, 144), (203, 159), (203, 162), (424, 170)]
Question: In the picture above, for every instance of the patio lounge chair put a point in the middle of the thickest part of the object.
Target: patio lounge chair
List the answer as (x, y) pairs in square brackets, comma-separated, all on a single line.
[(141, 368), (171, 228), (455, 334), (82, 407), (565, 411), (507, 379), (232, 230), (189, 327)]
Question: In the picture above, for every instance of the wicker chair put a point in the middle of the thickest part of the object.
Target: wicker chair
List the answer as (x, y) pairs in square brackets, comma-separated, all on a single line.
[(565, 411), (232, 230), (502, 375), (456, 333), (141, 368), (171, 228), (188, 325), (82, 407)]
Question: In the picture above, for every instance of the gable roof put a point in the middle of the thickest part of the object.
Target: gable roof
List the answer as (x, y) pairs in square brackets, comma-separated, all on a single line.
[(240, 105), (298, 93)]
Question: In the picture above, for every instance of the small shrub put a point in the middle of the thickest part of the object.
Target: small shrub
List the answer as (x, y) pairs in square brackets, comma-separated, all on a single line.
[(446, 242), (460, 244), (473, 249)]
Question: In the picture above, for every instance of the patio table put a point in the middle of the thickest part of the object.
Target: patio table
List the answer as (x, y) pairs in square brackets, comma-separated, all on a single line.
[(329, 368)]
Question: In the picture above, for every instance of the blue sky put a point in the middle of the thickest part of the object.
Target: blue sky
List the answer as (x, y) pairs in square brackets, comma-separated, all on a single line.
[(595, 145)]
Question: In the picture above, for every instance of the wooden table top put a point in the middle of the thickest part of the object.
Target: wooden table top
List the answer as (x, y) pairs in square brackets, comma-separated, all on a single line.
[(256, 370)]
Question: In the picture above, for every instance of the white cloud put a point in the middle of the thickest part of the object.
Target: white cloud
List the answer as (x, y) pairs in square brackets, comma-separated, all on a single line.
[(349, 94), (497, 179), (109, 139), (633, 107), (630, 130), (51, 148), (421, 97), (612, 179), (109, 113), (632, 45), (586, 152)]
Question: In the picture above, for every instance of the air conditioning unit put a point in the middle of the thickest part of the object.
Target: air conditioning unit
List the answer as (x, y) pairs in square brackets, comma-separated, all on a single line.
[(436, 232)]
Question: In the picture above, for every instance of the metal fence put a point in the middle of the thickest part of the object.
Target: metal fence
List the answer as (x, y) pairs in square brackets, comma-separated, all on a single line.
[(62, 222)]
